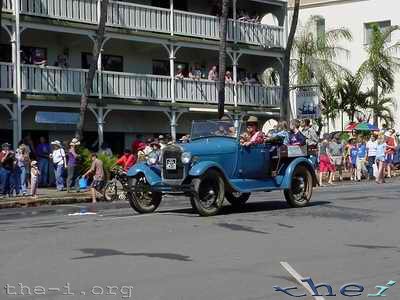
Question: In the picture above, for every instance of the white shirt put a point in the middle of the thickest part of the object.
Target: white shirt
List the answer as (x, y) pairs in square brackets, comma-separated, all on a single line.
[(59, 157), (371, 146)]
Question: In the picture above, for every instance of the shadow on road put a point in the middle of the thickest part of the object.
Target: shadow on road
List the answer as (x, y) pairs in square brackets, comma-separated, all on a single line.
[(101, 252), (247, 208)]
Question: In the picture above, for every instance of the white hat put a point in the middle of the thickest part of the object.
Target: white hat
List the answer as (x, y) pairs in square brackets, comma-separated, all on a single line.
[(56, 142), (75, 142)]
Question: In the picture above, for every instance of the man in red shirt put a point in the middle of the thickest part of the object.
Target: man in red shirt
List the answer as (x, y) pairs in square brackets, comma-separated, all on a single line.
[(137, 142), (127, 160)]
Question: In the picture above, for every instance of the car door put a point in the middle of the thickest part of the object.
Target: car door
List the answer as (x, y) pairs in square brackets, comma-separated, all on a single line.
[(253, 162)]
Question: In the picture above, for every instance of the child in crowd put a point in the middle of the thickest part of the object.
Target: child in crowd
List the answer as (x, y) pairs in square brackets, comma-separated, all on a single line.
[(35, 173), (380, 159), (353, 159)]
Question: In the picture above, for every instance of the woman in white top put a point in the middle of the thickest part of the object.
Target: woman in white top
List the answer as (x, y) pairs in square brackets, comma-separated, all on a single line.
[(59, 163)]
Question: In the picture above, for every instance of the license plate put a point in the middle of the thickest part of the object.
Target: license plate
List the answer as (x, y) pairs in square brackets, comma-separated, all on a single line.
[(170, 163)]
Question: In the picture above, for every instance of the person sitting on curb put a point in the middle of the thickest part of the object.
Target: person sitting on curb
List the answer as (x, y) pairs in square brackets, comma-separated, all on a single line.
[(98, 178)]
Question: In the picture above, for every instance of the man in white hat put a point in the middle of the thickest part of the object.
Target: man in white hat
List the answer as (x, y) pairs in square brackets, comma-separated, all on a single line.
[(256, 136), (60, 164)]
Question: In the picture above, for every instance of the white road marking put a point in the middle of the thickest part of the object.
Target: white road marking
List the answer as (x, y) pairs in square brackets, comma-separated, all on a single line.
[(298, 278)]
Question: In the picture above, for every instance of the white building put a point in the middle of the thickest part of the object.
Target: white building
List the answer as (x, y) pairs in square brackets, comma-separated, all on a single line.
[(357, 16), (135, 90)]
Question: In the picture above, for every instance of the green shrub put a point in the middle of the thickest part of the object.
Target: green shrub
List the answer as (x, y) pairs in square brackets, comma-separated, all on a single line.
[(86, 161)]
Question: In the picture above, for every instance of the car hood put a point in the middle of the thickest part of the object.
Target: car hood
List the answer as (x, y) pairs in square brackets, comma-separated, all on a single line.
[(211, 146)]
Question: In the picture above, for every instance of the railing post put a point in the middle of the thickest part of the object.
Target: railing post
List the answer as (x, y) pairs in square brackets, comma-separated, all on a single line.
[(171, 21), (16, 56), (98, 11), (100, 126), (173, 125), (234, 22)]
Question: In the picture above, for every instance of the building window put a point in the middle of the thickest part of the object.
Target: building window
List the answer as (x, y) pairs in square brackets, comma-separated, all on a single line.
[(368, 27), (5, 53), (113, 63), (33, 55)]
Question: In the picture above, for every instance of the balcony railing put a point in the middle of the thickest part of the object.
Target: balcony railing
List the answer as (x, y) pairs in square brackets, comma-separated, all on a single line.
[(7, 5), (67, 81), (6, 77), (84, 11), (140, 17), (152, 19)]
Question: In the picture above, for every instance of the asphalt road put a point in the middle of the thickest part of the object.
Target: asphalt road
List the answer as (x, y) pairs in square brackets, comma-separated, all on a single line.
[(350, 234)]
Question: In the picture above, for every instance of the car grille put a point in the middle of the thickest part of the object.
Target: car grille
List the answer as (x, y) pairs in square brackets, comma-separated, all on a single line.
[(172, 153)]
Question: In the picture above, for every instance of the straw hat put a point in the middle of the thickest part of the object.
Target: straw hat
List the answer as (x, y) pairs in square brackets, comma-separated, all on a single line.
[(56, 143), (33, 162), (252, 119), (75, 142)]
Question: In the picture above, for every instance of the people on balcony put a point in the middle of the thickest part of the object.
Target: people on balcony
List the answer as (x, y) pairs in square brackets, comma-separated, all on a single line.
[(61, 61), (228, 77), (213, 73), (179, 73), (196, 72)]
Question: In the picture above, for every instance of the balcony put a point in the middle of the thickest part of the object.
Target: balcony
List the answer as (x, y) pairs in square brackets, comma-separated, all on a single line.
[(62, 81), (153, 19)]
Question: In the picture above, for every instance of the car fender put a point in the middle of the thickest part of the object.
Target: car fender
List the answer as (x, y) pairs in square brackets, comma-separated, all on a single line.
[(201, 167), (286, 180), (152, 174)]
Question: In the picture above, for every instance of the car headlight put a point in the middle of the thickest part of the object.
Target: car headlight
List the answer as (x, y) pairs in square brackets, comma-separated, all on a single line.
[(186, 157), (152, 158)]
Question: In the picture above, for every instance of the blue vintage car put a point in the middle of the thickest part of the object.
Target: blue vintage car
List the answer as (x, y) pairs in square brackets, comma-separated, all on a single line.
[(214, 166)]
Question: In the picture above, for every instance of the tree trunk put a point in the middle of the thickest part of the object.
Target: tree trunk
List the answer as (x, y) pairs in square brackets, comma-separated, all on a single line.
[(98, 42), (223, 26), (285, 97), (375, 100)]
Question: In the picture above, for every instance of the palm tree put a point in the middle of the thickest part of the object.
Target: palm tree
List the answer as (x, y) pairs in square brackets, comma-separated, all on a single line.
[(222, 56), (329, 101), (381, 65), (352, 98), (382, 109), (285, 97), (98, 42), (315, 54)]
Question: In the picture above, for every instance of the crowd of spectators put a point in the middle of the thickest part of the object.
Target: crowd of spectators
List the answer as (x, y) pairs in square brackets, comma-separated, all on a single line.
[(363, 155)]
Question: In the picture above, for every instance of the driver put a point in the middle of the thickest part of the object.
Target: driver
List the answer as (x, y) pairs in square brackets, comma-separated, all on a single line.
[(255, 136)]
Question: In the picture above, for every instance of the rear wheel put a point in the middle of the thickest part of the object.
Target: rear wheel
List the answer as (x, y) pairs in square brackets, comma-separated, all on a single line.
[(141, 198), (237, 199), (111, 191), (209, 193), (300, 192)]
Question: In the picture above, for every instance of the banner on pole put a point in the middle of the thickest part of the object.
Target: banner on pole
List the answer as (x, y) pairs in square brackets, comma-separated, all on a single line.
[(308, 103)]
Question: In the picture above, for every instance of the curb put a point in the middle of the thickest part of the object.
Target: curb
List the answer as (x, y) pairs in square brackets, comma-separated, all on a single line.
[(29, 202)]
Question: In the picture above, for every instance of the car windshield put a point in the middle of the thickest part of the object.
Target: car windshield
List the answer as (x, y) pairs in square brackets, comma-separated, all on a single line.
[(209, 128)]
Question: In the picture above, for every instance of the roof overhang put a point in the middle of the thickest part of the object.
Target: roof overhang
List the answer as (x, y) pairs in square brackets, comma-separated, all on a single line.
[(271, 2)]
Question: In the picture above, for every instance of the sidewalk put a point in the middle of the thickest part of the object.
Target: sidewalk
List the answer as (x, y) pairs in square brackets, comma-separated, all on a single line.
[(46, 196)]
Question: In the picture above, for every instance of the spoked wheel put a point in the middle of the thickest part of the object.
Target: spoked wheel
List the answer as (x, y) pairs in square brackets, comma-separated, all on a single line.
[(111, 191), (209, 193), (140, 198), (301, 188), (237, 199)]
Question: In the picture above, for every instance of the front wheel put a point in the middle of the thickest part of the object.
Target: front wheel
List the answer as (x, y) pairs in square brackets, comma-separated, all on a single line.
[(237, 199), (300, 192), (209, 193), (140, 198)]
